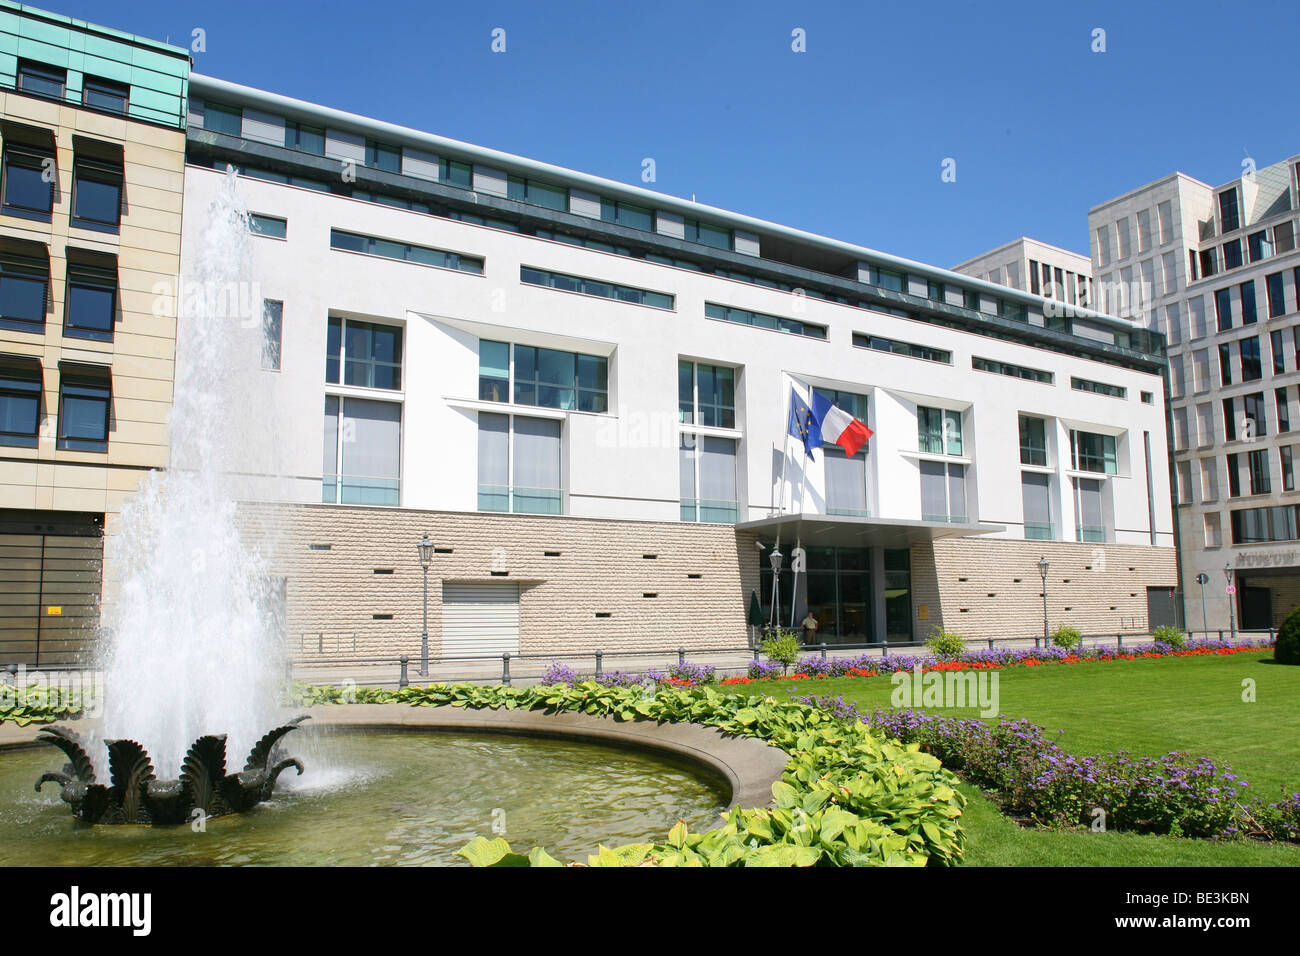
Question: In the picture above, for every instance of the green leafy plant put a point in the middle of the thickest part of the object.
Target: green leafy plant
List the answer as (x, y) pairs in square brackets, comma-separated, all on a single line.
[(782, 647), (1288, 640), (944, 643), (1067, 637), (1171, 636)]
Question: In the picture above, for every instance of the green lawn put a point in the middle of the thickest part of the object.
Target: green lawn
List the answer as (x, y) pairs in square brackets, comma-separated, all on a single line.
[(1147, 707)]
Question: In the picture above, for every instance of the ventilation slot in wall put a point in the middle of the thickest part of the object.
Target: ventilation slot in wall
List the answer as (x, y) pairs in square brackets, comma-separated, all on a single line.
[(1069, 609), (381, 617), (383, 570), (1132, 594), (1015, 580), (650, 594), (550, 554), (1087, 567), (500, 574), (1065, 580), (695, 577), (963, 579), (319, 547), (1112, 607), (443, 550), (649, 557), (992, 594), (962, 610), (604, 614), (1132, 569)]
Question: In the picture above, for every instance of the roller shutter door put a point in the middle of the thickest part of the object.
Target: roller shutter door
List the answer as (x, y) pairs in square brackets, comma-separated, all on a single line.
[(479, 619), (49, 596)]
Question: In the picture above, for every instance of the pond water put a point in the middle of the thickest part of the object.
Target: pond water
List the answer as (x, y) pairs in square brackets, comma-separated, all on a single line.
[(382, 798)]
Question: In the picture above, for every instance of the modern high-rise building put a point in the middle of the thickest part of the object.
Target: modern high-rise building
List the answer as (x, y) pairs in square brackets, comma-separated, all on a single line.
[(578, 389), (1220, 273), (1037, 267), (92, 131)]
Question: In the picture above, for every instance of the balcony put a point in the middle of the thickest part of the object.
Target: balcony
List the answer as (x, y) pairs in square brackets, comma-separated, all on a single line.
[(710, 511), (517, 500), (356, 490)]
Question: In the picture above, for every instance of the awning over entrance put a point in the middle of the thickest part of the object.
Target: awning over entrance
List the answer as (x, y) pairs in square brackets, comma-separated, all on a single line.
[(842, 531)]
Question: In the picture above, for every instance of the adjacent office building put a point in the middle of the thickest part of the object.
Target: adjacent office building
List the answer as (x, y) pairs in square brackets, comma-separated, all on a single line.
[(92, 133), (1038, 267), (578, 390)]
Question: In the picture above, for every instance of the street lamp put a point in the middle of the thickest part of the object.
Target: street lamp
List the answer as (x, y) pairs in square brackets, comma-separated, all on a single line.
[(1043, 565), (775, 559), (425, 548), (1229, 575), (1203, 579)]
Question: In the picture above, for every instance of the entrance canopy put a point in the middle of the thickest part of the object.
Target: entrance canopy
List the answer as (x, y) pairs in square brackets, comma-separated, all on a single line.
[(842, 531)]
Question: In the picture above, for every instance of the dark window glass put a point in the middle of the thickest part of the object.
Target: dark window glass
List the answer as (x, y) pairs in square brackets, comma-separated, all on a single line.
[(96, 195), (223, 119), (383, 156), (456, 174), (83, 413), (268, 226), (707, 235), (42, 80), (1230, 419), (308, 139), (1223, 308), (91, 301), (104, 94), (333, 345), (1033, 441), (372, 355), (23, 289), (1276, 294), (28, 181), (1228, 218), (1251, 367), (1232, 254), (626, 214), (20, 405), (1225, 365), (1254, 417), (1279, 353)]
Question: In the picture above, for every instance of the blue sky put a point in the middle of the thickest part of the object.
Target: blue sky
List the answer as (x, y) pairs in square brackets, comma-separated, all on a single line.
[(845, 139)]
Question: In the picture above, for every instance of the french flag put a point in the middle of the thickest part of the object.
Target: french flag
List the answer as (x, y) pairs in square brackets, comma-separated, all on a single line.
[(837, 426)]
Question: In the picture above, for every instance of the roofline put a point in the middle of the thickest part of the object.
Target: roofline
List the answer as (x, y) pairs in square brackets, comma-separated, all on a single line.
[(89, 27), (1151, 185), (1013, 242), (200, 84)]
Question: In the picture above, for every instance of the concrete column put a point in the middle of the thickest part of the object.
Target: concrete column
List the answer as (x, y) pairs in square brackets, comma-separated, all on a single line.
[(878, 592)]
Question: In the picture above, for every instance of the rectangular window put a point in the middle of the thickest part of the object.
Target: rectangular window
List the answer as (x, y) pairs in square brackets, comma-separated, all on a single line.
[(306, 139), (1089, 514), (1165, 210), (1283, 404), (846, 482), (761, 321), (1261, 525), (20, 402), (1124, 239), (938, 431), (1014, 371), (362, 452), (547, 378), (383, 156), (1259, 245), (41, 80), (1254, 421), (1260, 483), (1035, 493), (1103, 245), (1093, 452), (943, 492), (90, 302), (1184, 489), (1223, 308), (934, 290), (100, 94), (1249, 315), (1201, 369), (84, 402), (268, 226), (1276, 294), (24, 286), (1232, 254), (96, 195), (388, 249), (29, 178), (537, 194), (1251, 366), (1229, 419), (272, 333), (1144, 229), (707, 235), (864, 341), (1288, 468), (519, 465), (223, 119), (971, 299), (1279, 352), (1101, 388), (1234, 476), (1225, 364), (604, 290), (369, 354), (1283, 237), (706, 394), (708, 479), (627, 214), (851, 402), (1209, 480), (1228, 217), (1033, 441), (1196, 314)]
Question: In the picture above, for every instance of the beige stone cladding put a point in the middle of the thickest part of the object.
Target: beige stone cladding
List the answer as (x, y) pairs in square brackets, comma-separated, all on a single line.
[(990, 587), (663, 584)]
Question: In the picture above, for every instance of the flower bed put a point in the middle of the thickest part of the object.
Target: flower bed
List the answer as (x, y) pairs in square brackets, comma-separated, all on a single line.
[(848, 797)]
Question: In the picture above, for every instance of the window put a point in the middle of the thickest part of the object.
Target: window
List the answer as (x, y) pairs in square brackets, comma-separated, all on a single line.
[(1201, 369), (938, 431), (1213, 532), (1251, 367), (362, 452), (84, 400), (705, 234), (943, 491), (1259, 245), (851, 402), (1260, 483), (1093, 452), (383, 156), (1088, 511), (369, 354), (24, 285), (397, 202), (1223, 308), (706, 394), (546, 378), (91, 299), (1178, 384), (1144, 230), (1283, 237), (1225, 364), (1034, 285), (1279, 352), (1205, 423), (1196, 311), (1165, 212), (934, 290), (627, 214), (272, 176), (98, 94), (1033, 441), (519, 465), (1232, 254), (759, 320), (1101, 388), (537, 194), (20, 402), (268, 226), (708, 478), (223, 119), (1288, 468), (864, 341), (971, 299), (1254, 420), (272, 333), (1260, 525), (1035, 493), (1124, 239), (1181, 437), (605, 290), (846, 482), (307, 139), (1014, 311), (1149, 398), (1228, 218), (1014, 371), (1234, 476), (1248, 313), (1103, 245), (1169, 269), (29, 175), (1283, 410), (1184, 489), (1209, 480), (388, 249), (1276, 294), (96, 195), (41, 80), (1229, 419)]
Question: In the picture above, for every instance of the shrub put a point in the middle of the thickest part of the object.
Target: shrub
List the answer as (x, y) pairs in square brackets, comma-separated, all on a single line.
[(782, 647), (1171, 636), (1288, 640), (1067, 637), (945, 644)]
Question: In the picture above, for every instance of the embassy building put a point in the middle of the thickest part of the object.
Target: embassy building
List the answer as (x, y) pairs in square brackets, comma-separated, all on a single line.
[(578, 390)]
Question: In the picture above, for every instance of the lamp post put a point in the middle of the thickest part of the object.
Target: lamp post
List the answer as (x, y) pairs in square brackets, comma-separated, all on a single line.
[(1229, 574), (1043, 565), (425, 549), (1203, 579), (775, 559)]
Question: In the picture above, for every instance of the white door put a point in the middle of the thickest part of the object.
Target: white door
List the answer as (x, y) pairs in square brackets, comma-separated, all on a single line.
[(480, 619)]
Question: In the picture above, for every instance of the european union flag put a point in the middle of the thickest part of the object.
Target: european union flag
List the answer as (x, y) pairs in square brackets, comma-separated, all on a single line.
[(803, 425)]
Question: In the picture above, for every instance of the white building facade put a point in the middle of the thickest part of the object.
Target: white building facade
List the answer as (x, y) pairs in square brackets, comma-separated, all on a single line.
[(498, 354)]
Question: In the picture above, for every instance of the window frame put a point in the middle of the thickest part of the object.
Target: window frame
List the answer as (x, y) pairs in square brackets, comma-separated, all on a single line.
[(86, 382), (105, 174)]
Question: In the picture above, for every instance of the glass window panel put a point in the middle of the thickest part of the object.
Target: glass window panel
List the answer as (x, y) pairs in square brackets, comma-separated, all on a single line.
[(272, 332), (98, 197), (846, 483), (90, 307), (25, 185), (330, 445)]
